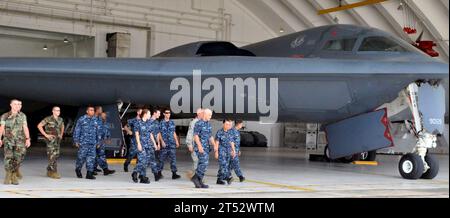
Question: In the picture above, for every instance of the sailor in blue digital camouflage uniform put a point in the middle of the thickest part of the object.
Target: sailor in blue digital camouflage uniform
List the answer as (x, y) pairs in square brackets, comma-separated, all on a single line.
[(132, 150), (224, 150), (169, 143), (152, 163), (154, 131), (156, 113), (202, 138), (98, 116), (235, 164), (144, 141), (105, 138), (86, 137)]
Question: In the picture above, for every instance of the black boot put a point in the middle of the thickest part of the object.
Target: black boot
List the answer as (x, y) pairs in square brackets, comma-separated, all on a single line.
[(241, 178), (144, 179), (156, 177), (125, 167), (175, 175), (220, 182), (160, 175), (202, 185), (90, 175), (134, 177), (196, 181), (230, 180), (94, 173), (78, 172), (97, 170), (108, 172)]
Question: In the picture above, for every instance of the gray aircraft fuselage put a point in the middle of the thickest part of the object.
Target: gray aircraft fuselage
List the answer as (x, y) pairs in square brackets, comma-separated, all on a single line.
[(317, 86)]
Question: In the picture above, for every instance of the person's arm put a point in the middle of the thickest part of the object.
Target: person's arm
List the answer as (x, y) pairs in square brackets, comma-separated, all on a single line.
[(26, 131), (160, 138), (138, 141), (190, 135), (212, 141), (128, 130), (99, 135), (216, 149), (62, 131), (40, 127), (197, 130), (216, 143), (237, 140), (199, 144), (152, 137), (108, 136), (233, 150), (2, 128), (76, 133), (175, 137), (162, 143)]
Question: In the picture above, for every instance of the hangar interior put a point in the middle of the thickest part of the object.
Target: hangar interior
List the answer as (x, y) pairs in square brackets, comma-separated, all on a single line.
[(141, 29)]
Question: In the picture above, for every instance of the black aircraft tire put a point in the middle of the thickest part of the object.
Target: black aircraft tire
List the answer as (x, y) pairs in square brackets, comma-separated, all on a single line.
[(434, 167), (260, 139), (411, 166), (348, 159), (326, 154), (247, 139)]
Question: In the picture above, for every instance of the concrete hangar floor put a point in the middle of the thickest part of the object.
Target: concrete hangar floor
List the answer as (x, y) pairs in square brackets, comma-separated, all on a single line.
[(270, 172)]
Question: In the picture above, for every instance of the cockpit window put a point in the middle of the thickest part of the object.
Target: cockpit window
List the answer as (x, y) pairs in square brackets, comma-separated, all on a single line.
[(340, 45), (380, 44)]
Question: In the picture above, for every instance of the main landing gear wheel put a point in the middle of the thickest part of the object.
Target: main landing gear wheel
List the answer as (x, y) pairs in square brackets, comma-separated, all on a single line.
[(348, 159), (434, 167), (411, 166)]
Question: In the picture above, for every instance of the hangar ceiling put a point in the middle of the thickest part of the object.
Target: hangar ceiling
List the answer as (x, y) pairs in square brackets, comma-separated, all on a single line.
[(286, 16)]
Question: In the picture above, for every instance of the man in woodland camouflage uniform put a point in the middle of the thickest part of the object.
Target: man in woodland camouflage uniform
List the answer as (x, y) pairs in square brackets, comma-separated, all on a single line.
[(13, 125), (52, 128)]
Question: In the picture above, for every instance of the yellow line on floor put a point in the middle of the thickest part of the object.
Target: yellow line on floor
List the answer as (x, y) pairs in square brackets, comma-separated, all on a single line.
[(298, 188), (84, 192), (438, 181), (370, 163), (119, 161), (16, 192)]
